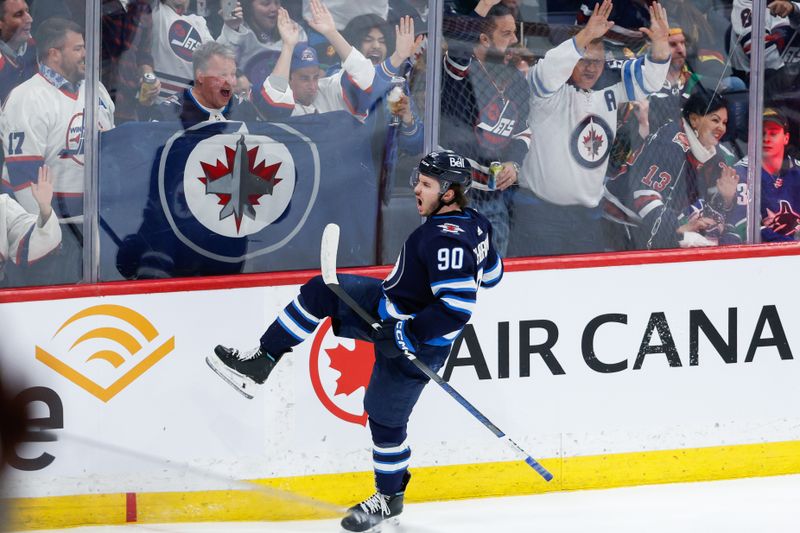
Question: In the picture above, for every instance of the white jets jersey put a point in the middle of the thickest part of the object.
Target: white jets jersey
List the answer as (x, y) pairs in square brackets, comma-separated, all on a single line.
[(45, 125), (22, 239), (175, 38), (573, 130), (342, 91), (741, 36)]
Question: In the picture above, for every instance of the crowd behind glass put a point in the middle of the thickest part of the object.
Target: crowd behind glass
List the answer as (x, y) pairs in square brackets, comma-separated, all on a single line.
[(590, 126)]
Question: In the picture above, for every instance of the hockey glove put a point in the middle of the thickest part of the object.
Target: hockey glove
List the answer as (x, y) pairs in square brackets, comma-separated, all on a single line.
[(394, 338)]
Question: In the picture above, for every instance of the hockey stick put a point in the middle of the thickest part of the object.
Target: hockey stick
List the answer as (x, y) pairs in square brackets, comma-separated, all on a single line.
[(328, 250)]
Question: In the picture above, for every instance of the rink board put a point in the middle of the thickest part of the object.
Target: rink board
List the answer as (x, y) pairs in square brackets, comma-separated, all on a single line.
[(610, 375)]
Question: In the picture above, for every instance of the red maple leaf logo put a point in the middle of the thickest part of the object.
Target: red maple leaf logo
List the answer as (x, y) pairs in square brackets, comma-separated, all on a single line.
[(593, 142), (355, 366)]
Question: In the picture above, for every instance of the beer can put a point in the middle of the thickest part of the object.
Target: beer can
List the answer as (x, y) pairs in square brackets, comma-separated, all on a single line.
[(494, 169)]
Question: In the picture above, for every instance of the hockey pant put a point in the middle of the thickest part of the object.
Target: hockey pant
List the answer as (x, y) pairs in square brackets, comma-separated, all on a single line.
[(395, 384)]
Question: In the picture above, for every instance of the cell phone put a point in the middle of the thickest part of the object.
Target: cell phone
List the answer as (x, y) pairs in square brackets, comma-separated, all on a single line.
[(227, 9)]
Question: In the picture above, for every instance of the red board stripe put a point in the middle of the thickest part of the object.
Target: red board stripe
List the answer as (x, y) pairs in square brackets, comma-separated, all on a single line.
[(130, 507), (298, 277)]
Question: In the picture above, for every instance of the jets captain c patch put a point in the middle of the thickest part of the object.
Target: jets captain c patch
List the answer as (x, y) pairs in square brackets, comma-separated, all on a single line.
[(591, 141)]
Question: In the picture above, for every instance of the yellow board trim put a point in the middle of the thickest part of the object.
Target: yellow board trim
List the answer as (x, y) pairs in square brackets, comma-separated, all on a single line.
[(430, 483)]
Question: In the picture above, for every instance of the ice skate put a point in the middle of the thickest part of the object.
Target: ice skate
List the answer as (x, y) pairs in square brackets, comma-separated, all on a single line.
[(376, 511), (243, 371)]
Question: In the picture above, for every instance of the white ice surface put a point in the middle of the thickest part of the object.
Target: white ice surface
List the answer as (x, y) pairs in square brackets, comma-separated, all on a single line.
[(756, 505)]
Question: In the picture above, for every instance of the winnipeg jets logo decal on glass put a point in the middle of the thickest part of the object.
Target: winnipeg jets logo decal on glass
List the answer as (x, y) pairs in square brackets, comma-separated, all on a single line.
[(240, 182)]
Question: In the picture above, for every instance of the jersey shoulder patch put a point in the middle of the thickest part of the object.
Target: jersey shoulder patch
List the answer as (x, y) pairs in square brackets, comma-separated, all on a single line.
[(450, 228)]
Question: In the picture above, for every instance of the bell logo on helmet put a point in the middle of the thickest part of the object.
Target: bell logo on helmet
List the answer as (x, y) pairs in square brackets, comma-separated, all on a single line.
[(457, 162)]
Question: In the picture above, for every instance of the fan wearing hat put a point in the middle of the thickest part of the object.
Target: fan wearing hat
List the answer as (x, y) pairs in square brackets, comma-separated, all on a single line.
[(780, 180), (296, 85)]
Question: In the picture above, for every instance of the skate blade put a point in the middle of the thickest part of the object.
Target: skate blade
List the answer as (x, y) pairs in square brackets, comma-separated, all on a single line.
[(390, 523), (244, 385)]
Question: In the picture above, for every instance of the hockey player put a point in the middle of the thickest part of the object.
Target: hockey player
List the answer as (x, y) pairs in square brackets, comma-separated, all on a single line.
[(24, 237), (43, 123), (17, 51), (424, 304), (678, 188), (573, 125), (780, 181)]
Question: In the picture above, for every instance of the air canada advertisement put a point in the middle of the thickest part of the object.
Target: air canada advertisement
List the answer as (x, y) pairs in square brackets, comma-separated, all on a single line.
[(568, 362)]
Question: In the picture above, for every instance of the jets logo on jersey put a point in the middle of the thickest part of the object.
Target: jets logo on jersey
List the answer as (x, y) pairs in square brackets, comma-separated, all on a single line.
[(73, 144), (591, 142), (681, 140), (183, 39), (230, 195), (449, 227), (496, 123)]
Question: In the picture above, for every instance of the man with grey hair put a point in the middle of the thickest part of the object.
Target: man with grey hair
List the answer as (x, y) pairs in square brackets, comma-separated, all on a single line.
[(211, 96)]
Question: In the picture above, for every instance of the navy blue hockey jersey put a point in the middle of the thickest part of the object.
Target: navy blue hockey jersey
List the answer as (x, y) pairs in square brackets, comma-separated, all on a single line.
[(780, 200), (436, 278)]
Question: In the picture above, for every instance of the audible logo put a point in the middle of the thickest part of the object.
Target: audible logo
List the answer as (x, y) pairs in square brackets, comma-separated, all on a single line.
[(89, 345)]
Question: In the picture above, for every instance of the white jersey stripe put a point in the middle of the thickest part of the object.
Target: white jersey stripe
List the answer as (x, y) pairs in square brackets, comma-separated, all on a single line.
[(293, 327), (302, 311), (390, 468)]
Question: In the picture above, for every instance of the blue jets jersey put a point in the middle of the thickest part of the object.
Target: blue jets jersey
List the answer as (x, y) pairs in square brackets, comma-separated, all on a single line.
[(436, 278)]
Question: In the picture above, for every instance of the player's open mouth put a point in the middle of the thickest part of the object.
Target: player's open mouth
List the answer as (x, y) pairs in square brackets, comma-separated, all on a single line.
[(375, 57), (226, 93)]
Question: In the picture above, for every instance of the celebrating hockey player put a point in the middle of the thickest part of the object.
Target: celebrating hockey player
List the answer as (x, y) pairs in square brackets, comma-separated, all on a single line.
[(424, 304), (573, 124)]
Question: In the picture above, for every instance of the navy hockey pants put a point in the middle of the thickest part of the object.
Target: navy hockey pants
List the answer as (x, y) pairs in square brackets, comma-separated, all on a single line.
[(395, 384)]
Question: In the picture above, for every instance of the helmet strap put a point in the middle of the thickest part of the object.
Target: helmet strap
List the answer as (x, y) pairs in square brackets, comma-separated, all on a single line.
[(442, 203)]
